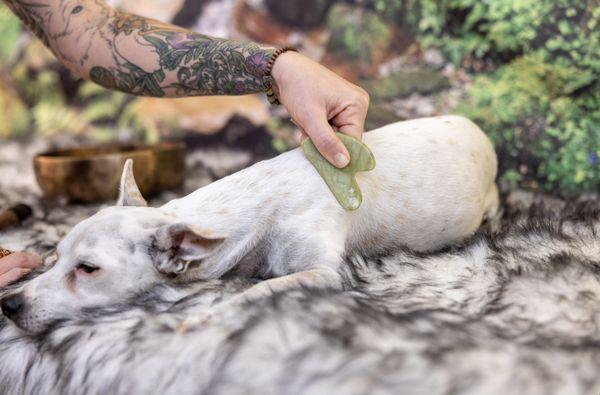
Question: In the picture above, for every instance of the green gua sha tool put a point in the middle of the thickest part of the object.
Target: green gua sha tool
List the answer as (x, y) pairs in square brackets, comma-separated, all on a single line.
[(342, 182)]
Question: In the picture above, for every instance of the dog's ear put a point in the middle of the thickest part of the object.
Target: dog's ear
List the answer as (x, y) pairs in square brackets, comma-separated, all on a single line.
[(129, 193), (175, 246)]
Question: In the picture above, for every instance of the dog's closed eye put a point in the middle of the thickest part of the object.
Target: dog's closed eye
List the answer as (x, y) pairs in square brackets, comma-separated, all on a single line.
[(86, 268)]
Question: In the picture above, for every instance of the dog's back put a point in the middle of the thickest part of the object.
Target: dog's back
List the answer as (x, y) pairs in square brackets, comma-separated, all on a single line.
[(432, 186)]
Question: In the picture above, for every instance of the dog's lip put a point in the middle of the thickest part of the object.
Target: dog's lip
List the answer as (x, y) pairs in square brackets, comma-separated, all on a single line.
[(32, 324), (31, 331), (18, 324)]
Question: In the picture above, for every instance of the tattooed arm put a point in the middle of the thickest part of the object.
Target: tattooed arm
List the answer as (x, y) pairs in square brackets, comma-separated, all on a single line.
[(142, 56)]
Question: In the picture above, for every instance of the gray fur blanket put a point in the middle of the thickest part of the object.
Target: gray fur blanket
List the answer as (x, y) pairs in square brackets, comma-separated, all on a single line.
[(516, 310)]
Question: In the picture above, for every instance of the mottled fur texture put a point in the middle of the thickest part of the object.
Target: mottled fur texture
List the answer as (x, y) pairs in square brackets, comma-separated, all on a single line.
[(516, 313)]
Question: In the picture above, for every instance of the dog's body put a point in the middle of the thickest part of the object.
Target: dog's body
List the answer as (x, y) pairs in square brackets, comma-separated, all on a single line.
[(432, 186)]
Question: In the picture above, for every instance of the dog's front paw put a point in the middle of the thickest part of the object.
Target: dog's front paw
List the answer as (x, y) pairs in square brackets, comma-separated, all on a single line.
[(194, 321)]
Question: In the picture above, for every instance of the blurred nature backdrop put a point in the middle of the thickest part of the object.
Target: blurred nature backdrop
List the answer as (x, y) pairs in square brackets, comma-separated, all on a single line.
[(527, 71)]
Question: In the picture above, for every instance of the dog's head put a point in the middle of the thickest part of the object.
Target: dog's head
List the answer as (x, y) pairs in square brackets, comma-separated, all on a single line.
[(118, 252)]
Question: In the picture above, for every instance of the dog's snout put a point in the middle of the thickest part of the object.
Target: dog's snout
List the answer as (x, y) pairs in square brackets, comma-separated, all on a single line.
[(12, 305)]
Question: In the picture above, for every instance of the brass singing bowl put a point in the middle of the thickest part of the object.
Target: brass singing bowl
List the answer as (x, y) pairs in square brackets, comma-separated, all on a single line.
[(92, 174)]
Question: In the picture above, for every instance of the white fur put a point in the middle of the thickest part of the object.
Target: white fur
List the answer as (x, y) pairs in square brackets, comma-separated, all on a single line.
[(432, 186)]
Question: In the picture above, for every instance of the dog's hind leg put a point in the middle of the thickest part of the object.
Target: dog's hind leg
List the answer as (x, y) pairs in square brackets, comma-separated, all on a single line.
[(491, 202), (317, 277)]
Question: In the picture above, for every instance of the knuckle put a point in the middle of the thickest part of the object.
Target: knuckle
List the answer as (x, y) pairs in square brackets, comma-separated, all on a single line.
[(361, 98), (367, 97), (364, 97), (326, 141)]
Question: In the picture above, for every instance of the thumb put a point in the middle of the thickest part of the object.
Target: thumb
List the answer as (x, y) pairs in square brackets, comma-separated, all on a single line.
[(324, 138)]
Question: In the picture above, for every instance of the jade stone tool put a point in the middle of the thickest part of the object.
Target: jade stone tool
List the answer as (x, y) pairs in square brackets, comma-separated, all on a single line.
[(342, 182)]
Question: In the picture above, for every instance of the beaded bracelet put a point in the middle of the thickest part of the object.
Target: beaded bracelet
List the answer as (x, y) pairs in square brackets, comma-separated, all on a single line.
[(268, 79), (4, 252)]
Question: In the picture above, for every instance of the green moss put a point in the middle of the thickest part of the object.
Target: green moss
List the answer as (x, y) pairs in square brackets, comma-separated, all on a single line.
[(541, 107), (357, 33), (500, 29), (405, 82), (542, 130)]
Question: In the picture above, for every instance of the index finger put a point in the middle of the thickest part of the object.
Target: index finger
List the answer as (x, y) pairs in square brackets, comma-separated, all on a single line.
[(19, 260), (350, 121), (322, 135), (12, 275)]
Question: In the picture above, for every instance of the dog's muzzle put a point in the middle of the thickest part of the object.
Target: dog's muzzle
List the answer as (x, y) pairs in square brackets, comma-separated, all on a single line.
[(12, 305)]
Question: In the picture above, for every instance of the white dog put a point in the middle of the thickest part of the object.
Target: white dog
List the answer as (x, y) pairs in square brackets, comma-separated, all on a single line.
[(276, 220)]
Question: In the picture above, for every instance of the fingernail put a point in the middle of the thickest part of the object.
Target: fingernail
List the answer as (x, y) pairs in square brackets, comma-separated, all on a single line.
[(341, 160)]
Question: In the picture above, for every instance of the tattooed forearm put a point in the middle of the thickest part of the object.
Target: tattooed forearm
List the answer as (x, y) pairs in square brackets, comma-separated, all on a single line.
[(142, 56), (187, 63)]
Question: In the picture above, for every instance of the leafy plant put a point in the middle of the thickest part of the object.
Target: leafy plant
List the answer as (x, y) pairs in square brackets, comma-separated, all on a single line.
[(543, 132), (541, 106), (357, 33), (501, 30)]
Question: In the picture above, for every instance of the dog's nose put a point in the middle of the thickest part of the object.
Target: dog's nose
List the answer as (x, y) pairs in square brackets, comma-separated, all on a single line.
[(11, 305)]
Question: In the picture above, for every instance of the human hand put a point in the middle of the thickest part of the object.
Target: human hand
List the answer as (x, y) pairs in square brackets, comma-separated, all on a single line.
[(14, 266), (319, 100)]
